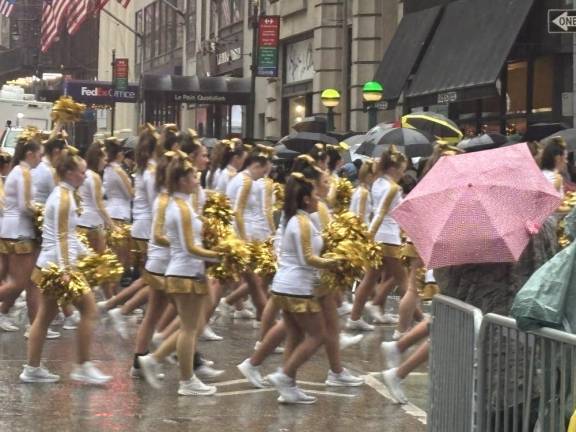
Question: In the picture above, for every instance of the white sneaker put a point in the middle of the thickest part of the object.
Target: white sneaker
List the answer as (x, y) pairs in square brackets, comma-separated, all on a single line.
[(347, 341), (37, 375), (303, 398), (359, 325), (206, 362), (277, 350), (243, 314), (102, 306), (209, 335), (389, 319), (59, 320), (285, 385), (208, 373), (89, 374), (71, 322), (394, 386), (224, 308), (392, 355), (157, 339), (195, 387), (150, 369), (374, 312), (345, 309), (252, 374), (6, 324), (343, 379), (118, 322), (50, 334), (137, 373), (397, 335)]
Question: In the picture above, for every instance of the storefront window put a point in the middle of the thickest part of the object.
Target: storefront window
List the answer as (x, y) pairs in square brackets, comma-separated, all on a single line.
[(296, 110), (491, 107), (516, 97), (543, 88), (466, 110), (236, 119)]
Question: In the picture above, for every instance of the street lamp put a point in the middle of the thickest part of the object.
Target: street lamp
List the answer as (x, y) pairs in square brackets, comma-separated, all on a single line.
[(330, 100), (372, 94)]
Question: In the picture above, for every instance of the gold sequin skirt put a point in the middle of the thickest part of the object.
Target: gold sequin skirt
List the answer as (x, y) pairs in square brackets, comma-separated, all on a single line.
[(17, 247), (154, 280), (324, 290), (409, 251), (296, 304), (391, 251), (184, 285)]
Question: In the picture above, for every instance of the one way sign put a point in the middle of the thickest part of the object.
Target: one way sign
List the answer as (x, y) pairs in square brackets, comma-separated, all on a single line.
[(561, 21)]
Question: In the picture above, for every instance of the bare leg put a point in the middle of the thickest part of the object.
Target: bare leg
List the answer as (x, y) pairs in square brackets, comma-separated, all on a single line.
[(363, 292), (46, 314), (415, 335), (382, 291), (88, 313), (139, 299), (156, 304), (410, 300), (273, 338), (126, 294), (332, 326), (238, 294), (167, 317), (312, 325), (172, 328), (419, 357), (268, 318)]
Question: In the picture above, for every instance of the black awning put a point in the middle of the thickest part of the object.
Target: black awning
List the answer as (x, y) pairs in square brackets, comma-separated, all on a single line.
[(468, 51), (404, 50), (185, 89)]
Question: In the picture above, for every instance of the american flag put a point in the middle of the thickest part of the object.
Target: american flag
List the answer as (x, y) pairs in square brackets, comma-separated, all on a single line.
[(6, 7), (53, 16), (77, 14)]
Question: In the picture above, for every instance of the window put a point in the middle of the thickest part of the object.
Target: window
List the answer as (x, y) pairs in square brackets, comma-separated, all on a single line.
[(139, 40), (148, 31), (543, 86), (516, 96), (156, 26)]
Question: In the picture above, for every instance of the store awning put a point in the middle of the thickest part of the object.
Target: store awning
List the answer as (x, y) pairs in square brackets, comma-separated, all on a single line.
[(469, 49), (223, 90), (404, 50)]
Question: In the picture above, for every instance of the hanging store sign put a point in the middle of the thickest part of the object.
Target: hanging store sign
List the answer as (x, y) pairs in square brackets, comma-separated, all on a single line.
[(268, 45), (121, 73), (100, 93)]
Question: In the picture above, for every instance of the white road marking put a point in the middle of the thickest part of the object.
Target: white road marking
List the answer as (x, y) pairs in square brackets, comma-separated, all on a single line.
[(408, 408)]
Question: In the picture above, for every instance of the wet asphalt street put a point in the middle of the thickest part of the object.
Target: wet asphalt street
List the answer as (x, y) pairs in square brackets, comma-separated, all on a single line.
[(127, 404)]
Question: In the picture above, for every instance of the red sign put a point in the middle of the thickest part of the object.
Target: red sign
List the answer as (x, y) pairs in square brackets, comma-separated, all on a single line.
[(268, 40), (121, 73)]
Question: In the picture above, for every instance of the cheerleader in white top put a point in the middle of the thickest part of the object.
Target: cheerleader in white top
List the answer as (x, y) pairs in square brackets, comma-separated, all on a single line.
[(361, 203), (60, 247), (185, 280), (44, 175), (232, 160), (249, 217), (553, 162), (295, 284), (386, 196), (18, 236), (119, 193), (5, 163)]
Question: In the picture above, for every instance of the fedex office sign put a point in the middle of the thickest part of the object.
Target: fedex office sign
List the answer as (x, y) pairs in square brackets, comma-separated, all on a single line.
[(100, 93)]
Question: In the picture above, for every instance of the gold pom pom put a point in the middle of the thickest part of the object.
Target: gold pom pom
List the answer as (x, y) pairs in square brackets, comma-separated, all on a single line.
[(101, 268), (347, 238), (217, 219), (38, 219), (235, 259), (65, 110), (278, 196), (64, 285), (263, 258), (343, 195)]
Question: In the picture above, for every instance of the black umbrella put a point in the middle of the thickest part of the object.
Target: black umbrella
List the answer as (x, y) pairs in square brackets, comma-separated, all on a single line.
[(411, 142), (312, 124), (569, 136), (483, 142), (303, 142), (538, 131), (283, 153)]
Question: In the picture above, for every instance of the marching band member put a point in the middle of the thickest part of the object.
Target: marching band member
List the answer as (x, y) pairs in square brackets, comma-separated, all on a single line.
[(60, 246), (185, 280)]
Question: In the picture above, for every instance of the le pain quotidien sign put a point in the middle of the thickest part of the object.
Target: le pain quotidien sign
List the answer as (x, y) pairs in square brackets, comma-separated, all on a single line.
[(223, 98)]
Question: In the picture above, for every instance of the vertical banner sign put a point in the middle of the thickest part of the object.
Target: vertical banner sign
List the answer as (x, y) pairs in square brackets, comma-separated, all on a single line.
[(121, 74), (268, 40)]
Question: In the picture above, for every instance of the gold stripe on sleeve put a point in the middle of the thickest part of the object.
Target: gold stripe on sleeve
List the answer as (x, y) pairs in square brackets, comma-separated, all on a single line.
[(268, 196), (362, 203), (27, 188), (186, 219), (241, 205), (125, 180), (160, 220), (306, 242), (63, 218)]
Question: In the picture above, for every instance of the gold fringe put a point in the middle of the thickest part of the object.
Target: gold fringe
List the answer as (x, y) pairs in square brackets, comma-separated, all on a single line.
[(409, 251), (391, 251), (183, 285), (17, 247), (325, 290), (296, 304), (154, 281)]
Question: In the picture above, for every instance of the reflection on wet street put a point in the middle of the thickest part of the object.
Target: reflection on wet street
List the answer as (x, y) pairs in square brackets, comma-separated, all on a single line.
[(128, 404)]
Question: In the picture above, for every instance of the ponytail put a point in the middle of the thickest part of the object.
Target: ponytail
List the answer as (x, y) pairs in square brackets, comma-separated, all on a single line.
[(297, 188), (22, 148)]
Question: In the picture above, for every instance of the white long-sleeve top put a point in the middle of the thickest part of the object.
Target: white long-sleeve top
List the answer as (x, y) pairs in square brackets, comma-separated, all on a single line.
[(361, 204), (119, 192), (322, 217), (158, 255), (2, 201), (225, 177), (246, 197), (198, 199), (19, 204), (299, 259), (183, 231), (144, 196), (213, 179), (60, 243), (44, 179), (94, 212), (386, 195)]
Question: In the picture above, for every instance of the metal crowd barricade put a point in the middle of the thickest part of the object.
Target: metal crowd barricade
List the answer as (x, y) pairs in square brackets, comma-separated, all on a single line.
[(454, 331), (525, 380)]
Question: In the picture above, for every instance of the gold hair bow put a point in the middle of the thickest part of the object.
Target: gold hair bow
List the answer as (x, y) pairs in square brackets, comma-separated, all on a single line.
[(301, 177), (170, 127), (176, 154), (395, 155), (447, 149), (307, 158), (228, 143), (149, 128), (559, 140), (320, 146), (340, 147), (72, 150), (193, 133), (248, 147), (265, 151)]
